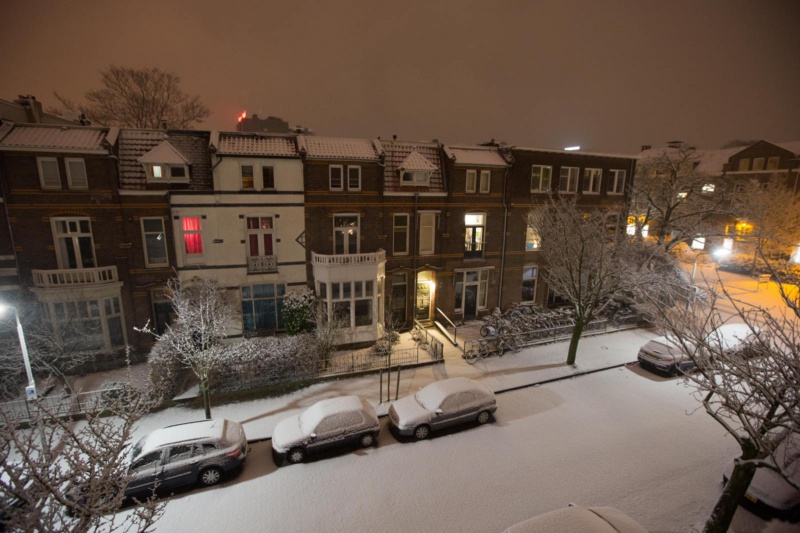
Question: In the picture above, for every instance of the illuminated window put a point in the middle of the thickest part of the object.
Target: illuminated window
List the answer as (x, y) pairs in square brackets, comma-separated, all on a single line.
[(727, 244), (164, 173), (709, 187), (192, 236), (345, 234), (157, 171), (474, 234), (796, 255), (758, 163), (540, 178), (773, 163), (743, 228), (533, 240), (698, 243), (248, 183), (682, 194), (744, 165)]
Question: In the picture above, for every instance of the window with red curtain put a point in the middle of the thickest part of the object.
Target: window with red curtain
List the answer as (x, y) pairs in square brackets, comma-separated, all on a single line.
[(192, 235)]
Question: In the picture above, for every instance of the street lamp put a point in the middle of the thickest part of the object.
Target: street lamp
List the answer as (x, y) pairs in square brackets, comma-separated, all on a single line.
[(719, 252), (30, 390)]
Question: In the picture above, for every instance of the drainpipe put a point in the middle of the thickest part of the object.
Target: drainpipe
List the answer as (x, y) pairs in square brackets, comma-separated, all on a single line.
[(414, 260), (505, 227)]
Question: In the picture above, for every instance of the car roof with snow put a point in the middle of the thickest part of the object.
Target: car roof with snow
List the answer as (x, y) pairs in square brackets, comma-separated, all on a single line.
[(189, 431), (311, 417), (580, 519), (436, 392), (730, 336)]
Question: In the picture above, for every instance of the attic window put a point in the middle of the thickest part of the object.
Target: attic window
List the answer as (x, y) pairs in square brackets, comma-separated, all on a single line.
[(162, 173), (709, 187), (415, 177)]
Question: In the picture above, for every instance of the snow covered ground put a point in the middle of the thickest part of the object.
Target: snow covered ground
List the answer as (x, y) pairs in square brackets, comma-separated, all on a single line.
[(621, 437)]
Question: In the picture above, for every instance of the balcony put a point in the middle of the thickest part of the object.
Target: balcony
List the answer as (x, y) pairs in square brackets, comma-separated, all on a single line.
[(348, 259), (75, 277), (262, 264)]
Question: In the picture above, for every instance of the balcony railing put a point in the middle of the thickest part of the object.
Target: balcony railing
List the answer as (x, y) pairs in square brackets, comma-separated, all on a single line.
[(75, 276), (349, 259), (262, 263)]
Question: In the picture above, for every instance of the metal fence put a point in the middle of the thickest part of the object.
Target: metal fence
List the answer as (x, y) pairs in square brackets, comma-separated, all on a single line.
[(254, 376), (546, 335), (61, 406)]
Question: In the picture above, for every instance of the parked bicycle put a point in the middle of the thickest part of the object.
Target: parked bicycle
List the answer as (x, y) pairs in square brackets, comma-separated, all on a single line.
[(496, 344)]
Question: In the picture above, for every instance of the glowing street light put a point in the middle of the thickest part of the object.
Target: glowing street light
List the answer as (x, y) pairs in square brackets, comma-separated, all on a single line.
[(30, 390), (572, 148), (718, 253)]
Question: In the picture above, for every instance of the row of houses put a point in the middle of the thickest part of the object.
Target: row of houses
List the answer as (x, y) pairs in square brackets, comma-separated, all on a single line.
[(98, 219)]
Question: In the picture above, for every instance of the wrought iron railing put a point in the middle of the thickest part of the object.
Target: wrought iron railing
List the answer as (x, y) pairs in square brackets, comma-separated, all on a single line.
[(262, 263), (63, 405)]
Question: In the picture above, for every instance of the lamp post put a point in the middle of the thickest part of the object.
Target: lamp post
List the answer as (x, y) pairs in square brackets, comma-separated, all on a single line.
[(30, 390)]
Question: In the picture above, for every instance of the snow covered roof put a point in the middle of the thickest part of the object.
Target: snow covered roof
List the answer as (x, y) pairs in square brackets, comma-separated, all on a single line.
[(40, 137), (201, 429), (311, 417), (575, 152), (192, 145), (792, 146), (427, 157), (485, 156), (164, 153), (432, 395), (339, 148), (713, 162), (257, 144)]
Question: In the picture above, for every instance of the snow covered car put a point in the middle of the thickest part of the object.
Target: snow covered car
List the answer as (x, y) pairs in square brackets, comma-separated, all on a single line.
[(343, 421), (768, 489), (583, 519), (666, 355), (184, 454), (442, 404)]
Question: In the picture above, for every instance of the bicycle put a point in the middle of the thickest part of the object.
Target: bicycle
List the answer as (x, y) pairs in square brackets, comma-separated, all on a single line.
[(496, 344)]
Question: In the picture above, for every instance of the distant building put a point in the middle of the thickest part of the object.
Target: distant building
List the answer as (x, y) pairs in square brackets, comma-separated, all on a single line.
[(263, 125), (27, 109)]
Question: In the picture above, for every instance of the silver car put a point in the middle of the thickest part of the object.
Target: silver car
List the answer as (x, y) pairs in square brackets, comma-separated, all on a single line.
[(184, 454), (332, 423), (442, 404)]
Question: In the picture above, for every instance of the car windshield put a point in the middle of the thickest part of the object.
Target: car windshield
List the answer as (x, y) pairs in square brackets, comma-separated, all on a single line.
[(429, 398), (136, 451)]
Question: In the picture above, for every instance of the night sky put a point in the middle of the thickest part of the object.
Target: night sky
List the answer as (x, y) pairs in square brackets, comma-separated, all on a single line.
[(609, 76)]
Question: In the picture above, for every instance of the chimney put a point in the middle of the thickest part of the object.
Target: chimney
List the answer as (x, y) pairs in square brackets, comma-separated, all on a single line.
[(646, 147), (33, 108), (394, 137), (163, 124)]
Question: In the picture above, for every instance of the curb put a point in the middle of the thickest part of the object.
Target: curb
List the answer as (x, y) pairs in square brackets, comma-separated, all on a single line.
[(518, 387)]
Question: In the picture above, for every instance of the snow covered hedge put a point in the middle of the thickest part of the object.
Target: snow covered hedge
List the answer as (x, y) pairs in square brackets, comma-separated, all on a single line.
[(299, 308)]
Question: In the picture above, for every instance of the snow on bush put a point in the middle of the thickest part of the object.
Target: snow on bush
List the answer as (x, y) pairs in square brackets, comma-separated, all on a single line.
[(298, 311)]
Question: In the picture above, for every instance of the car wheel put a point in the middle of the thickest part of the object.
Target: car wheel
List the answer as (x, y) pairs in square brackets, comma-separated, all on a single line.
[(422, 432), (210, 476), (296, 455), (368, 440), (483, 417)]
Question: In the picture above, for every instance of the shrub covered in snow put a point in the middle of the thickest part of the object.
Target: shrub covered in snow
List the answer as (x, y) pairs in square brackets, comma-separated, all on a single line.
[(298, 311)]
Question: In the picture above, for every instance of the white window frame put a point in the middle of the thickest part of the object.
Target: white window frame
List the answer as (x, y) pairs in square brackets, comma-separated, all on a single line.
[(472, 181), (573, 176), (418, 177), (774, 160), (618, 182), (189, 258), (166, 170), (70, 178), (349, 182), (261, 182), (484, 275), (537, 245), (42, 182), (357, 290), (241, 176), (341, 177), (744, 165), (260, 232), (101, 308), (487, 182), (535, 279), (57, 236), (395, 226), (474, 241), (593, 177), (427, 222), (758, 162), (541, 169), (346, 239), (145, 233)]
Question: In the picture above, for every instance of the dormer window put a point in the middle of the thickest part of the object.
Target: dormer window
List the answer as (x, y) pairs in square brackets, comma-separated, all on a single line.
[(165, 164), (415, 177), (167, 173)]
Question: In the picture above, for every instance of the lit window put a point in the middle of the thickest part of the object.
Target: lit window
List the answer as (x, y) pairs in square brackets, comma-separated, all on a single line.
[(155, 242), (683, 194), (698, 243), (758, 163), (533, 240), (345, 234), (568, 180), (192, 236), (727, 244), (744, 165), (796, 255), (474, 234), (157, 171), (773, 163), (247, 177), (540, 178), (709, 187)]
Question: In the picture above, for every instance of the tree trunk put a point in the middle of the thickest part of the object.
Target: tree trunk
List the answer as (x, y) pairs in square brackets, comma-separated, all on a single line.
[(573, 341), (728, 502), (206, 399)]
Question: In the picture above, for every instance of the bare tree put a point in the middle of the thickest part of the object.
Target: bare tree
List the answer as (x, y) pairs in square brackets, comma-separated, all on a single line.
[(588, 262), (328, 331), (139, 98), (752, 392), (675, 199), (74, 478), (203, 319)]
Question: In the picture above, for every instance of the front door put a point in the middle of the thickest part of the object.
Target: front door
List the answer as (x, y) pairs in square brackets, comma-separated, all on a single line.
[(423, 300), (470, 301)]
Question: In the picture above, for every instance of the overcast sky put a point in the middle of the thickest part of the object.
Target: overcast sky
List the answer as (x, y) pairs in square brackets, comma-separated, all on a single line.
[(609, 76)]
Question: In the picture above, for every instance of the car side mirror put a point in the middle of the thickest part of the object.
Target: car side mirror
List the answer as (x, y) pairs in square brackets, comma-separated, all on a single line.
[(313, 436), (439, 411)]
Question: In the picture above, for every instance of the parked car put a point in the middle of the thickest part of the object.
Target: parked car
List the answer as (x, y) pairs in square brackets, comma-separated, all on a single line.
[(664, 354), (184, 454), (442, 404), (769, 490), (583, 519), (327, 424)]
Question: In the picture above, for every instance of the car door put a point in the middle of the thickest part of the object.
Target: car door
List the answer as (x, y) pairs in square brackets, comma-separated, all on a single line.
[(328, 433), (145, 472), (180, 468), (451, 411)]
